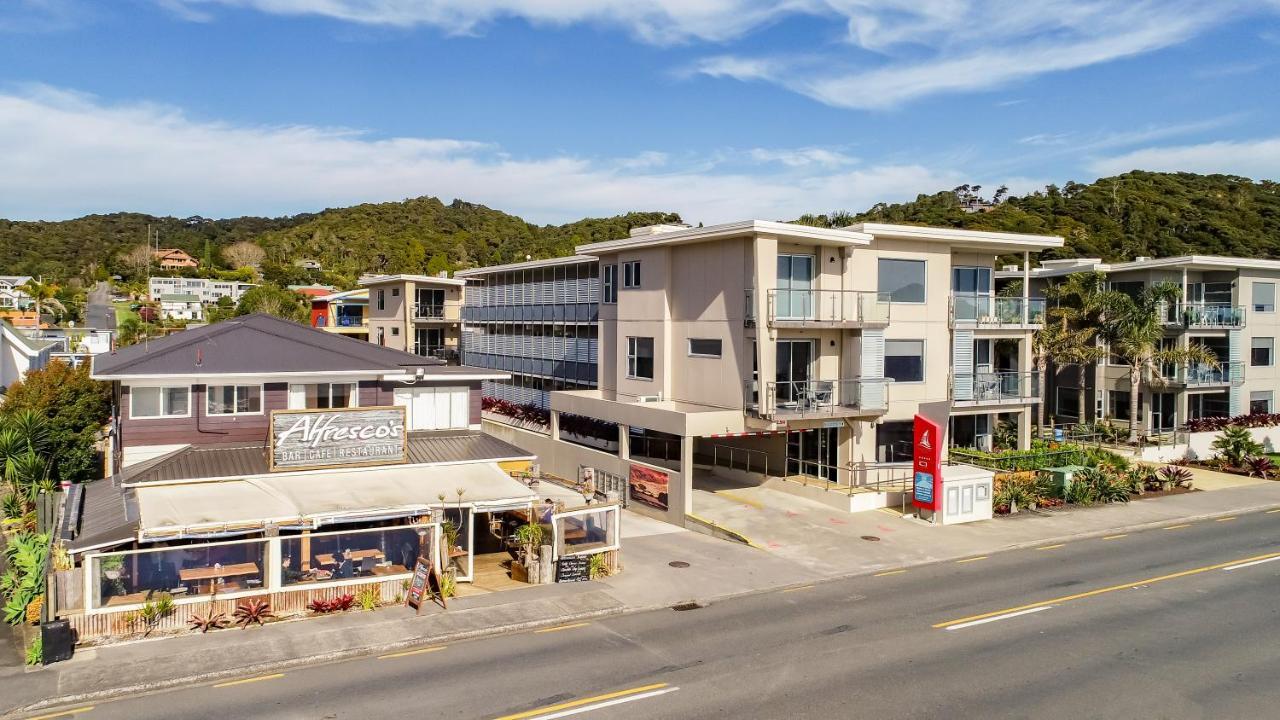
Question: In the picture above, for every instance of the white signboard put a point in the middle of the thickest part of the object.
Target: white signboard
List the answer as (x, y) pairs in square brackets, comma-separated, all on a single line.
[(307, 439)]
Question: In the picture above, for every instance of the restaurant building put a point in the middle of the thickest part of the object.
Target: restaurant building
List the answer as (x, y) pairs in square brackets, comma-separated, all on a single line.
[(261, 458)]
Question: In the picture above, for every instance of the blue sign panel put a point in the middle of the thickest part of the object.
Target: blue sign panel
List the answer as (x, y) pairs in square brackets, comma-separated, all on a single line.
[(924, 487)]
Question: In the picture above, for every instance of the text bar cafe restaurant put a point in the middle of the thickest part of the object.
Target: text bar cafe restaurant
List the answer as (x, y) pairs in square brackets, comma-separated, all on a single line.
[(337, 501)]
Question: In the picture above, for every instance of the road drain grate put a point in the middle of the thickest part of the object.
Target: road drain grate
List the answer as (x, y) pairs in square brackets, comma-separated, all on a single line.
[(678, 564), (691, 605), (871, 538)]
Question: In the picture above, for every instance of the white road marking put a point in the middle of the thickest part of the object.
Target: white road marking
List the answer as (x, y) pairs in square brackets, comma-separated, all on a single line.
[(1249, 564), (605, 704), (1005, 616)]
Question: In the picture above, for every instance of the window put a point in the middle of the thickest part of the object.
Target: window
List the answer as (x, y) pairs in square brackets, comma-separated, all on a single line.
[(631, 274), (150, 402), (1067, 402), (395, 332), (640, 358), (395, 292), (704, 347), (234, 399), (1264, 297), (904, 360), (894, 441), (1262, 352), (1132, 288), (902, 280), (610, 283), (1260, 401), (322, 396), (382, 299)]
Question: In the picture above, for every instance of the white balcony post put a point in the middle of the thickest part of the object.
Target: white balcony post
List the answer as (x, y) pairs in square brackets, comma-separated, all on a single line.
[(1026, 288)]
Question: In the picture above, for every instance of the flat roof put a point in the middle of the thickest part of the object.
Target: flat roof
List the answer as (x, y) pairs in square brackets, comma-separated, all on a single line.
[(426, 279), (527, 265), (1060, 268), (790, 231), (998, 241)]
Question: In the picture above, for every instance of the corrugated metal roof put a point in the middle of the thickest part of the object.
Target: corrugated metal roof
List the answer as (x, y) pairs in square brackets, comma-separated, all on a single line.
[(242, 460), (108, 516)]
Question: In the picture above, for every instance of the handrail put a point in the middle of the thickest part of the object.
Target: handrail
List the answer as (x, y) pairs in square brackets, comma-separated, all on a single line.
[(984, 309), (818, 397), (999, 385), (732, 455), (1203, 315), (812, 305)]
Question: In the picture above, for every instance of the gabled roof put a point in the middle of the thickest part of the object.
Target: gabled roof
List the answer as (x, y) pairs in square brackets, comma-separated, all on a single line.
[(260, 345)]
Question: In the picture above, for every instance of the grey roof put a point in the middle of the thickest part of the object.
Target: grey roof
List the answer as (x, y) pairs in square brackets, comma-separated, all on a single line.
[(33, 345), (261, 345), (108, 515), (196, 462)]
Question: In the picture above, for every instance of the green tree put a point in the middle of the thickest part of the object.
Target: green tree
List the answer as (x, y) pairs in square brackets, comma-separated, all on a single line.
[(75, 408), (44, 295), (439, 263), (1134, 328), (1076, 305), (273, 300)]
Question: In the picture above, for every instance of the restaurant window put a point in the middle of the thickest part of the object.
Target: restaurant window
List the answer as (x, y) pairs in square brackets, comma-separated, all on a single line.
[(583, 532), (1264, 297), (318, 557), (654, 447), (1260, 401), (1262, 351), (189, 570), (234, 399), (902, 280), (640, 358), (704, 347), (322, 396), (631, 274), (154, 402), (610, 284), (893, 441), (904, 360)]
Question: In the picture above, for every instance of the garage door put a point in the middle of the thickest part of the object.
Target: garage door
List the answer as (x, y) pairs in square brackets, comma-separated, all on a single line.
[(435, 408)]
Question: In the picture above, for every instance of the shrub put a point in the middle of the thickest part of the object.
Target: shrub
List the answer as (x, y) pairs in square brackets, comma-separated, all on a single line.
[(337, 604), (525, 413), (1174, 476), (27, 554), (253, 610), (369, 598), (1252, 420), (35, 651), (1236, 444), (598, 566), (209, 621), (1260, 466)]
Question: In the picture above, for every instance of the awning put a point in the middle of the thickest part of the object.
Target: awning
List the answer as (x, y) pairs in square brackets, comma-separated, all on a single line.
[(315, 499)]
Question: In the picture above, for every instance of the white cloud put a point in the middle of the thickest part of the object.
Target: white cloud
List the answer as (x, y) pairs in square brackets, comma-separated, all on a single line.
[(67, 154), (1257, 159)]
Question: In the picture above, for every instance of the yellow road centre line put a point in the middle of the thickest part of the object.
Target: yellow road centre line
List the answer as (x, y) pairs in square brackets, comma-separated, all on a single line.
[(419, 651), (1225, 519), (738, 498), (972, 559), (558, 628), (64, 713), (1116, 537), (250, 680), (1113, 588), (1178, 527), (796, 589), (1051, 547), (582, 701), (889, 572)]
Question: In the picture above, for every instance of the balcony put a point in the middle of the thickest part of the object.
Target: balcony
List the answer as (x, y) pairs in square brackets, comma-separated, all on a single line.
[(987, 311), (825, 309), (440, 352), (1203, 316), (993, 388), (816, 399), (350, 321), (435, 312), (1198, 376)]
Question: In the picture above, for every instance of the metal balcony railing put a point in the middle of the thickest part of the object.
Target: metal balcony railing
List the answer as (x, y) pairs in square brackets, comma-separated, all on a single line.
[(1201, 374), (349, 321), (818, 398), (428, 311), (1203, 316), (827, 307), (992, 311), (1000, 386)]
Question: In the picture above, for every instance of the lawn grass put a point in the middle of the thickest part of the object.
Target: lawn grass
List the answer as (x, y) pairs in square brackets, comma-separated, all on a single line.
[(123, 312)]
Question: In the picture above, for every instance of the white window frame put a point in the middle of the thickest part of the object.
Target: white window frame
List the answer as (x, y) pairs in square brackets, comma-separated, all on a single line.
[(633, 354), (609, 284), (355, 395), (556, 532), (1270, 398), (693, 354), (1253, 298), (208, 399), (631, 274), (1271, 351), (133, 396)]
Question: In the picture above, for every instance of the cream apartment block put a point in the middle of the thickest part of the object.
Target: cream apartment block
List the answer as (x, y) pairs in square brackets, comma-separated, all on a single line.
[(1227, 304), (790, 351), (416, 313)]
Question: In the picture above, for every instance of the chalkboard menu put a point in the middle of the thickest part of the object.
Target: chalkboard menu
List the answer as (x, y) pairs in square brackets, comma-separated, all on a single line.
[(573, 569), (418, 586)]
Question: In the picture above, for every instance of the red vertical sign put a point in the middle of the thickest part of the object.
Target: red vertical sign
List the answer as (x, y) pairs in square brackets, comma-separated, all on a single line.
[(926, 463)]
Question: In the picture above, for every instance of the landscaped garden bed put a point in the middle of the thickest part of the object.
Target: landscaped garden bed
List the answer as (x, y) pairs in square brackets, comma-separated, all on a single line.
[(1238, 452)]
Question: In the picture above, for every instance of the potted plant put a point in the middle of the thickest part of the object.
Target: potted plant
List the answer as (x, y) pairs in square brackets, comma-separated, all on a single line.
[(112, 565)]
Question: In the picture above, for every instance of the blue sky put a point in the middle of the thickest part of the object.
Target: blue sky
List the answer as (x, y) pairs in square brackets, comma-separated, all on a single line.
[(559, 109)]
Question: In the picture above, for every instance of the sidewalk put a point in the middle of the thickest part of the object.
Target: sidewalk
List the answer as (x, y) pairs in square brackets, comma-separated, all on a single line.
[(801, 552)]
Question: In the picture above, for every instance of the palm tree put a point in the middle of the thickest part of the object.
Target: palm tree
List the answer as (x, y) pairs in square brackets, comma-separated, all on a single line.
[(43, 294), (1078, 305), (1133, 325)]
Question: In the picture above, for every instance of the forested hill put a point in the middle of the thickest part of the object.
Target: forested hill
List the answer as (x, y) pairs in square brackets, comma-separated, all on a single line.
[(1115, 218), (409, 236)]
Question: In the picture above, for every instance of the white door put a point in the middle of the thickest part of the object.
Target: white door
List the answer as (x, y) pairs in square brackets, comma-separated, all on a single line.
[(430, 408)]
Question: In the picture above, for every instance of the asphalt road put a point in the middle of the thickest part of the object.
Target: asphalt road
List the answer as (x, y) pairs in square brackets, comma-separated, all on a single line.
[(1167, 623)]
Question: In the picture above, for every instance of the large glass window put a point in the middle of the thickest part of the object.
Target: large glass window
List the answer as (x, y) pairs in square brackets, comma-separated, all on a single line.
[(904, 360), (317, 557), (587, 531), (893, 441), (610, 284), (206, 569), (1262, 352), (971, 280), (234, 399), (151, 402), (1264, 297), (322, 396), (1260, 401), (640, 358), (902, 280), (704, 347)]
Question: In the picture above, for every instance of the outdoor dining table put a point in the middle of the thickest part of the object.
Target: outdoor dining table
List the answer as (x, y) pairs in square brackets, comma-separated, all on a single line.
[(353, 556), (211, 574)]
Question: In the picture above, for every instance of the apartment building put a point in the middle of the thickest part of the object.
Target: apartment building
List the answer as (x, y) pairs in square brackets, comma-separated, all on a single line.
[(537, 321), (416, 313), (806, 349), (1227, 305), (343, 313), (11, 293), (206, 290)]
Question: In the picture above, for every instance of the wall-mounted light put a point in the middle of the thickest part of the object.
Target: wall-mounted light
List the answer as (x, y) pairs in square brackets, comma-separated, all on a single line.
[(833, 343)]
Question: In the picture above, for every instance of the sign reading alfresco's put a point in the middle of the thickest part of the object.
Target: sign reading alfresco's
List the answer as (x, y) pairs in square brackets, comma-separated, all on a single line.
[(302, 439)]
